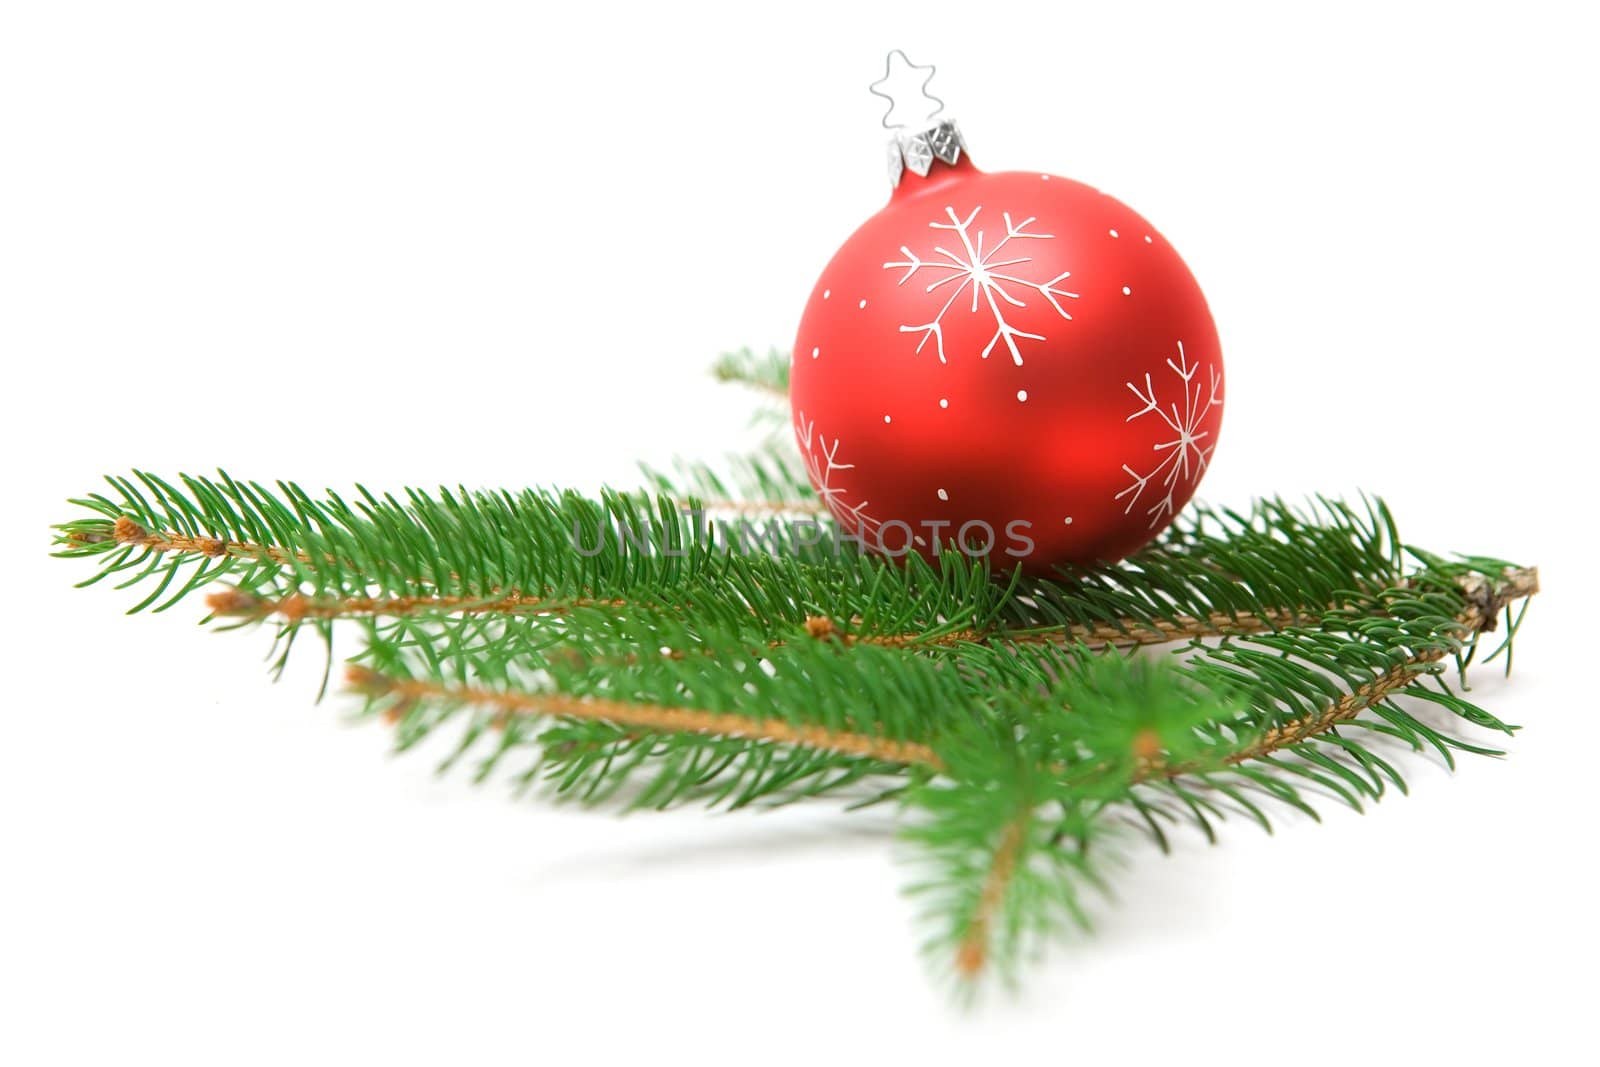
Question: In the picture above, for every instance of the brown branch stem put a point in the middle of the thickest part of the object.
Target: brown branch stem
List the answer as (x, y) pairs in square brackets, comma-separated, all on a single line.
[(127, 532), (1344, 709), (1124, 633), (296, 606), (657, 717), (973, 952)]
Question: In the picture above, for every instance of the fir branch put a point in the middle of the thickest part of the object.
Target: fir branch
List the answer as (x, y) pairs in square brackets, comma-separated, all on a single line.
[(768, 372), (1120, 633), (295, 607), (1007, 829), (1485, 599), (973, 952), (124, 531), (1344, 709), (646, 716), (772, 476), (754, 507), (685, 665), (1187, 586)]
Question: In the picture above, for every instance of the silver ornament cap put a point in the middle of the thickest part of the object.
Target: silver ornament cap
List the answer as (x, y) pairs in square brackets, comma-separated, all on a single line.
[(919, 136), (916, 151)]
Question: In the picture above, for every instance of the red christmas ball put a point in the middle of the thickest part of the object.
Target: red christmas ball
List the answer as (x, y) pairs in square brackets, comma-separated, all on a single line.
[(1009, 364)]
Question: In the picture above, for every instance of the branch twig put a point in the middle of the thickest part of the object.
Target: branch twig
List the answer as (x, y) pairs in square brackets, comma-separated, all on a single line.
[(1485, 600), (127, 532), (296, 606), (1123, 633), (651, 717), (973, 952)]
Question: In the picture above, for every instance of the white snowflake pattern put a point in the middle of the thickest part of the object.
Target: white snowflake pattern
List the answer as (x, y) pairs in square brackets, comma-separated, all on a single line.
[(973, 268), (1184, 456), (822, 463)]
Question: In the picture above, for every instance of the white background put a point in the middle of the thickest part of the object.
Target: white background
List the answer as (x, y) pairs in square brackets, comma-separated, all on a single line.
[(498, 245)]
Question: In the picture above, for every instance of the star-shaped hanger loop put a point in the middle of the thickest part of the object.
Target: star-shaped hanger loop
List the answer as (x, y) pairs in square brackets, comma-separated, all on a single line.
[(906, 88)]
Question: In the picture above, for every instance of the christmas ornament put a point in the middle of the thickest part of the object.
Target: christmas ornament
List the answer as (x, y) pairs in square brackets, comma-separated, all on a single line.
[(969, 344), (1011, 364)]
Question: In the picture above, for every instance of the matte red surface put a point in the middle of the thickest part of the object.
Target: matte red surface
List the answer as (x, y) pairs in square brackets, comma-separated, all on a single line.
[(1066, 459)]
